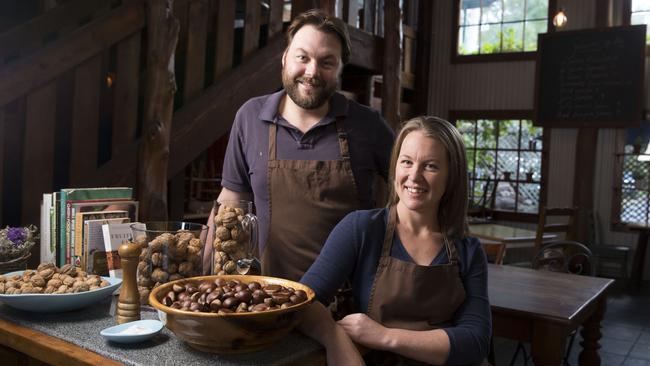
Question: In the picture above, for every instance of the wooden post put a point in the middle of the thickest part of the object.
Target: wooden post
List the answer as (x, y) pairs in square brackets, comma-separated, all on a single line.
[(153, 157), (391, 93), (423, 57)]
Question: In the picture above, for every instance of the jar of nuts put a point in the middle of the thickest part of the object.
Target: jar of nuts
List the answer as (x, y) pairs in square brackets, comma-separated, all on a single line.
[(170, 251), (235, 238)]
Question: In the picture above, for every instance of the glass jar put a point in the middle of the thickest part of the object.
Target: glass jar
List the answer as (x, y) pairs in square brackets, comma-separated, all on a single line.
[(235, 238), (170, 251)]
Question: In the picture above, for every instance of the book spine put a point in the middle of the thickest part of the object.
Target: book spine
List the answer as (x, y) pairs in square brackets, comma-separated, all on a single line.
[(62, 238), (45, 253)]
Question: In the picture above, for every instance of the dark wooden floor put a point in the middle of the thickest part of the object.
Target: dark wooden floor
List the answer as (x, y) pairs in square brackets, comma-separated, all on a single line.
[(626, 331)]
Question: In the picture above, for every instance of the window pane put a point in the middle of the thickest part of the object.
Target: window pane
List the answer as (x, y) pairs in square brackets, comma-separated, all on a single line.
[(490, 38), (492, 12), (467, 128), (486, 134), (531, 29), (513, 10), (508, 134), (531, 136), (507, 163), (634, 205), (642, 18), (537, 9), (468, 40), (638, 5), (485, 164), (528, 198), (505, 196), (530, 162), (470, 12), (513, 37)]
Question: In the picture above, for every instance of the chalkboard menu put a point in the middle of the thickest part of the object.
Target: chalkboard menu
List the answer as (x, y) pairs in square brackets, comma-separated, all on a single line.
[(590, 78)]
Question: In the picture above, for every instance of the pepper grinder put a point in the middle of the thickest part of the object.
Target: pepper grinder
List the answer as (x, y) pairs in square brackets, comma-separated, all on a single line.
[(128, 304)]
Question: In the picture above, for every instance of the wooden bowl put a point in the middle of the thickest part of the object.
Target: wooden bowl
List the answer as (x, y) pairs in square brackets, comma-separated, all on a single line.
[(230, 333)]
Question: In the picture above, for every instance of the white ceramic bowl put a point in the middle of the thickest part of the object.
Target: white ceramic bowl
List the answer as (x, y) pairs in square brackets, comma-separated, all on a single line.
[(53, 303)]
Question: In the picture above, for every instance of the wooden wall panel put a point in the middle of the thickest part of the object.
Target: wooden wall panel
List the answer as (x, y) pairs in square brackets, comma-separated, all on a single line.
[(225, 35), (2, 159), (85, 120), (251, 27), (126, 85), (38, 153), (195, 53), (275, 17)]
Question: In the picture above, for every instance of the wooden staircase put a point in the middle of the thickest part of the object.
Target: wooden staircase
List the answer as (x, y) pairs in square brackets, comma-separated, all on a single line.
[(72, 88)]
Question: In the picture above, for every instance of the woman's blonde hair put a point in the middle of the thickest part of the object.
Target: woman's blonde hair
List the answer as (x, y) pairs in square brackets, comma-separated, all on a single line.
[(452, 211)]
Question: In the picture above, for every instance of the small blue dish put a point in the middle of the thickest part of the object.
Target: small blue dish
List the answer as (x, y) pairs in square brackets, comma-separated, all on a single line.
[(133, 332)]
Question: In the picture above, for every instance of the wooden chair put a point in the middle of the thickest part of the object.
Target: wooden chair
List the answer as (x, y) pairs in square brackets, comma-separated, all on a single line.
[(549, 223), (607, 255), (565, 256), (494, 250)]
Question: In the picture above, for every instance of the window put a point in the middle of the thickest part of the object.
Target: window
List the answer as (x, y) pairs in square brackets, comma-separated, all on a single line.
[(500, 26), (633, 198), (640, 14), (504, 163)]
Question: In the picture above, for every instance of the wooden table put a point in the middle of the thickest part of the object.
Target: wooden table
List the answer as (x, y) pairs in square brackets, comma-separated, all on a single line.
[(503, 233), (543, 307)]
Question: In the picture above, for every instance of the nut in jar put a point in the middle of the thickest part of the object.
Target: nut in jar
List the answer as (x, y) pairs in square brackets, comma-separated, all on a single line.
[(170, 251), (235, 238)]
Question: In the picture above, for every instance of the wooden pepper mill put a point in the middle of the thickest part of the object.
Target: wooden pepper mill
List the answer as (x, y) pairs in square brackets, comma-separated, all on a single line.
[(128, 305)]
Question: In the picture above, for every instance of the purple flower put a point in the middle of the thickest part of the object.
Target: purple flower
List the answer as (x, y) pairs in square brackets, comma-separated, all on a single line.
[(16, 235)]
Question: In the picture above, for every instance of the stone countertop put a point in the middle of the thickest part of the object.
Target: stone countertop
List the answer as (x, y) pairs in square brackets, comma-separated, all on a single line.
[(81, 327)]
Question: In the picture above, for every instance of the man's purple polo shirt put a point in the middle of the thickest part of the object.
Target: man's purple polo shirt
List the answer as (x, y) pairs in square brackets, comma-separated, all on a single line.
[(245, 164)]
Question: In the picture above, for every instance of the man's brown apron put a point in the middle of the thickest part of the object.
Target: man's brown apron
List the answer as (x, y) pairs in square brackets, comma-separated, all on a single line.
[(409, 296), (307, 198)]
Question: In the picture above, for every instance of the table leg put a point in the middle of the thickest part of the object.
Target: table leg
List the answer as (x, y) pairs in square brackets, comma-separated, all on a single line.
[(548, 344), (591, 335), (639, 258)]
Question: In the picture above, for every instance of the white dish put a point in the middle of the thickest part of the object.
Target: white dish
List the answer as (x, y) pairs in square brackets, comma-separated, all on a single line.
[(53, 303), (132, 332)]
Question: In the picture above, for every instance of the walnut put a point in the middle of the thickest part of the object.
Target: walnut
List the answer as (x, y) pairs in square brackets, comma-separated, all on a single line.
[(104, 283), (3, 278), (196, 242), (2, 288), (44, 266), (68, 269), (158, 275), (235, 233), (217, 245), (222, 233), (145, 254), (230, 246), (144, 268), (55, 282), (230, 267), (178, 251), (81, 273), (15, 277), (186, 269), (46, 273), (12, 284), (61, 290), (145, 281), (80, 286), (94, 281), (38, 281), (172, 268), (68, 281), (50, 289), (175, 277), (11, 291), (184, 237), (157, 259), (144, 294), (194, 250)]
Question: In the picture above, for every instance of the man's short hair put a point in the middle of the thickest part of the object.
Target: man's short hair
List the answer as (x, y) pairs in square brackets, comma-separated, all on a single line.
[(326, 23)]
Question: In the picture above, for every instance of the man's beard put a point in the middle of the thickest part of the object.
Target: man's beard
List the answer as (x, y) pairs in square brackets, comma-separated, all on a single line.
[(321, 93)]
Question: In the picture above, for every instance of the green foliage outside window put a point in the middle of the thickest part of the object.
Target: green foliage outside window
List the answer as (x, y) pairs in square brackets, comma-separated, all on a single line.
[(499, 26)]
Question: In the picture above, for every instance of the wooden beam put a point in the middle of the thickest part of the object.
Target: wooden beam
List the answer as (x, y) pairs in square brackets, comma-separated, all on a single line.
[(225, 24), (251, 27), (367, 50), (424, 57), (583, 184), (350, 12), (2, 159), (125, 97), (196, 47), (201, 122), (392, 85), (275, 17), (19, 40), (369, 15), (162, 35), (21, 77), (301, 6), (85, 120), (38, 155)]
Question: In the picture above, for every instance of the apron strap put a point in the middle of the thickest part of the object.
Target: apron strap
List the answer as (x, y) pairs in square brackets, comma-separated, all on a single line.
[(343, 140), (390, 232), (273, 131)]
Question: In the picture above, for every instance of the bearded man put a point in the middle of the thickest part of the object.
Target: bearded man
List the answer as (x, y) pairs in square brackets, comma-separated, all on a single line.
[(306, 156)]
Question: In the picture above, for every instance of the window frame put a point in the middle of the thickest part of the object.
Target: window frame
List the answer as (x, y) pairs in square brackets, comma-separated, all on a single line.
[(494, 57), (627, 20), (497, 214)]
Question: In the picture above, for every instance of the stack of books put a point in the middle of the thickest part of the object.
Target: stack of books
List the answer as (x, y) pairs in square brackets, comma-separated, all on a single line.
[(72, 222)]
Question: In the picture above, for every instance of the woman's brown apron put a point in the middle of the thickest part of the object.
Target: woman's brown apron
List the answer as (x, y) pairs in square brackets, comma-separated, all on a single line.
[(409, 296), (307, 198)]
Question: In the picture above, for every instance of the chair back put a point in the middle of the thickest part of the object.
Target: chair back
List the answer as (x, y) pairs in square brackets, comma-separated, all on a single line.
[(556, 221), (565, 256), (494, 250)]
